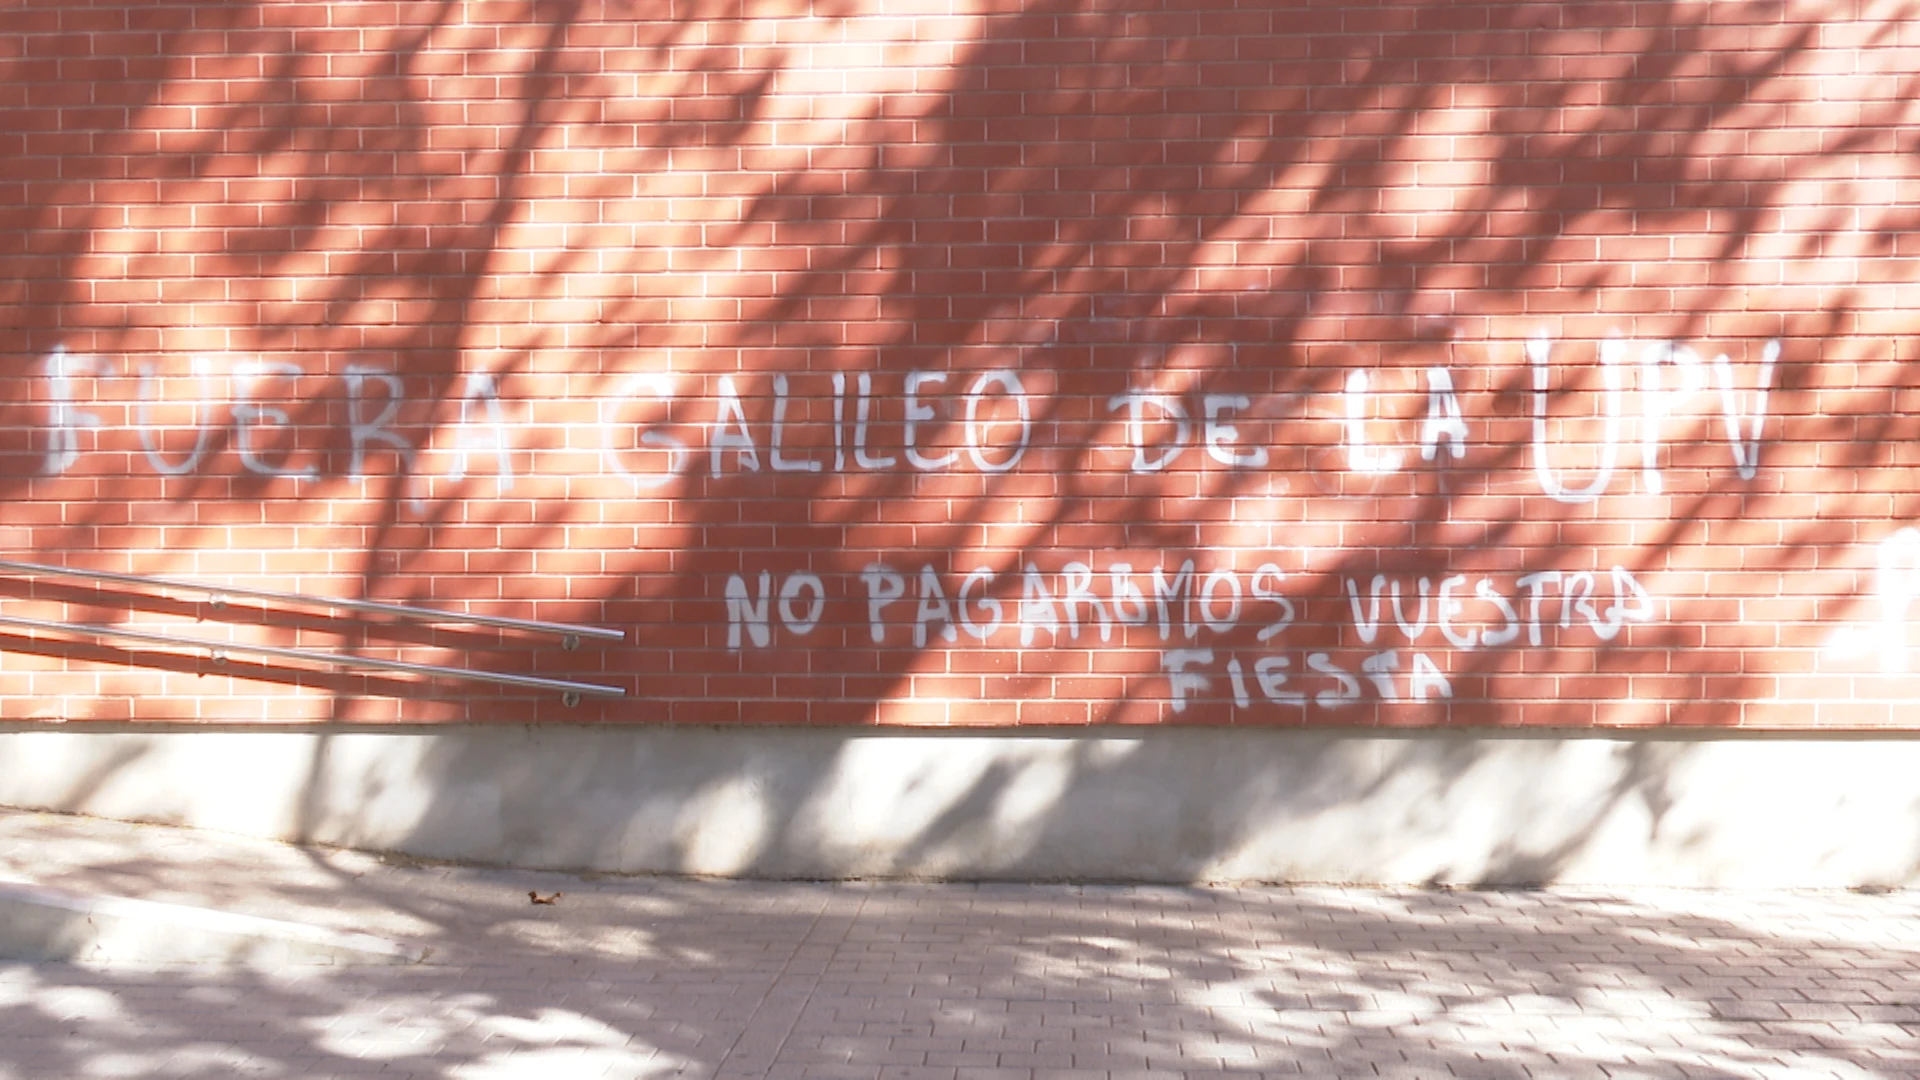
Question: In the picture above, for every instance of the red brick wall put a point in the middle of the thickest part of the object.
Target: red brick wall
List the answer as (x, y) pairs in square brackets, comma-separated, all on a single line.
[(974, 361)]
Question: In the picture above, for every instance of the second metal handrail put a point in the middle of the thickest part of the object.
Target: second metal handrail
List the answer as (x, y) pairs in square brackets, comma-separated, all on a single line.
[(217, 593), (218, 651)]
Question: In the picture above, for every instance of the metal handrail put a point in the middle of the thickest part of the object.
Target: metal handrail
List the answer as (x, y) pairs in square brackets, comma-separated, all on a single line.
[(219, 593), (219, 650)]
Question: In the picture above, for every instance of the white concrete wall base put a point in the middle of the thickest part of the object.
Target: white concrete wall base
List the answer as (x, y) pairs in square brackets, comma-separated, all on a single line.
[(1106, 804)]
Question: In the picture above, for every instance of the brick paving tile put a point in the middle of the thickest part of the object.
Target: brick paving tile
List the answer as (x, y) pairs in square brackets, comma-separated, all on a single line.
[(655, 978)]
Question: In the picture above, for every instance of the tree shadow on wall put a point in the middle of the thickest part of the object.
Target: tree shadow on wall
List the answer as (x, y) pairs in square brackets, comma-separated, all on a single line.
[(1105, 200)]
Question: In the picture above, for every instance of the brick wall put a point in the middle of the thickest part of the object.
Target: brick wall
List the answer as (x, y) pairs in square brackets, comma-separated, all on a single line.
[(991, 362)]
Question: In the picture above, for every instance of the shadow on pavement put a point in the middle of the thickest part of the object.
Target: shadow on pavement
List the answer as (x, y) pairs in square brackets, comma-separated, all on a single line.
[(660, 977)]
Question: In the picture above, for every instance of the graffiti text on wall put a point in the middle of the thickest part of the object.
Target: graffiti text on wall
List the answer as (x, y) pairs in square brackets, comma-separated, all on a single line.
[(1198, 617), (981, 421)]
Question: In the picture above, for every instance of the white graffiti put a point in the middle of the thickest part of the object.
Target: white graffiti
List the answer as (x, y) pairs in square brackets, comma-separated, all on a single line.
[(202, 435), (748, 610), (733, 447), (1218, 433), (1896, 585), (255, 413), (1539, 357), (931, 422), (1445, 425), (1197, 617), (68, 420), (364, 431), (249, 417), (473, 437), (1191, 674), (1744, 414)]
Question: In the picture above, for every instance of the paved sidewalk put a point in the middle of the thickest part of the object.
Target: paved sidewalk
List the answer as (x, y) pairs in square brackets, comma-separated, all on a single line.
[(625, 977)]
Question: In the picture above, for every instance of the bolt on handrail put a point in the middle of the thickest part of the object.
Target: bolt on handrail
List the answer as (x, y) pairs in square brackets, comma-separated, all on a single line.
[(218, 593)]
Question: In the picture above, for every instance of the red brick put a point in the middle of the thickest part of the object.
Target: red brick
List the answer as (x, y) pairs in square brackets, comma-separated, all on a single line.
[(1184, 202)]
